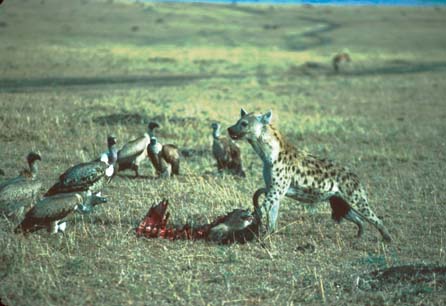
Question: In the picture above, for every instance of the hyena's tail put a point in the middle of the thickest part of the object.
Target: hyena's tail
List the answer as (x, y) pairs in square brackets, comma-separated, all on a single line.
[(256, 196), (255, 201)]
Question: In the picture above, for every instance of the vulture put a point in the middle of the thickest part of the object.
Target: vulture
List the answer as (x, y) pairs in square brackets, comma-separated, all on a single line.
[(49, 211), (226, 152), (165, 158), (85, 177), (111, 155), (18, 193), (26, 174), (132, 153)]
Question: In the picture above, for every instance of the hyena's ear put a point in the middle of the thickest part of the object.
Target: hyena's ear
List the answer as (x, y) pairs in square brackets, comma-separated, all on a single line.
[(266, 117), (243, 113)]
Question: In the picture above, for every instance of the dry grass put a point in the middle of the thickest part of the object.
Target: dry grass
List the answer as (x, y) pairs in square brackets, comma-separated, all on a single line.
[(71, 74)]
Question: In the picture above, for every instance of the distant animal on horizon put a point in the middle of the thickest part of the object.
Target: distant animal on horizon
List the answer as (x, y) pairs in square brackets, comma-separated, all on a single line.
[(289, 171), (19, 193), (340, 58), (50, 211), (165, 158), (226, 152), (133, 153)]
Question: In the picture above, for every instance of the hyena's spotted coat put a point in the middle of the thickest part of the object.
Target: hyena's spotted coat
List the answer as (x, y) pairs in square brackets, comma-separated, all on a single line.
[(290, 172)]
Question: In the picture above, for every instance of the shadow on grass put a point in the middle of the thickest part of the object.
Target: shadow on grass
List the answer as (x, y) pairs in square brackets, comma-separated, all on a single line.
[(133, 177), (137, 118), (17, 85), (312, 38), (307, 40), (382, 68), (121, 118), (191, 152), (399, 67), (104, 221), (408, 274)]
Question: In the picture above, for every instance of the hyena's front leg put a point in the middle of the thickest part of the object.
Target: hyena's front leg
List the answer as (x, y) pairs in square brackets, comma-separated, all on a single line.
[(272, 203)]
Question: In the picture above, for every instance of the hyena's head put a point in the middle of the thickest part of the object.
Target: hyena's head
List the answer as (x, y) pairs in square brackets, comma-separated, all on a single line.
[(250, 126)]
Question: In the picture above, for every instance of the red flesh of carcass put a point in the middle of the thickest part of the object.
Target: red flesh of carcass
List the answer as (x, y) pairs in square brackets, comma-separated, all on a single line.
[(154, 225)]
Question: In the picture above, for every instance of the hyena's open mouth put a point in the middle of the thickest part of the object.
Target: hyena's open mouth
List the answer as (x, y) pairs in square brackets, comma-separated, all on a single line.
[(233, 135)]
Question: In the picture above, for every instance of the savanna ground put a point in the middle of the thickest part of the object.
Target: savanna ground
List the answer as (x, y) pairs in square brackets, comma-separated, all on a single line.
[(72, 72)]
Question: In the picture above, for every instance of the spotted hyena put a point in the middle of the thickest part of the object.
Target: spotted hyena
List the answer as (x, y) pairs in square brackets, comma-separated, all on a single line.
[(340, 58), (291, 172)]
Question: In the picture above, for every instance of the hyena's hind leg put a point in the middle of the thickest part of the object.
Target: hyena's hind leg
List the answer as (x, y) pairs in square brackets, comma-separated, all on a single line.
[(341, 209), (362, 208), (357, 213)]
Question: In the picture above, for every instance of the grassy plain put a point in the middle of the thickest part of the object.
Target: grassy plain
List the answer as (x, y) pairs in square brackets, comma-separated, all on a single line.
[(72, 72)]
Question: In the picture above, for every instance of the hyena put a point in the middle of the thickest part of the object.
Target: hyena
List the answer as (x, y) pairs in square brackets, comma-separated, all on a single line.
[(288, 171), (339, 58)]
